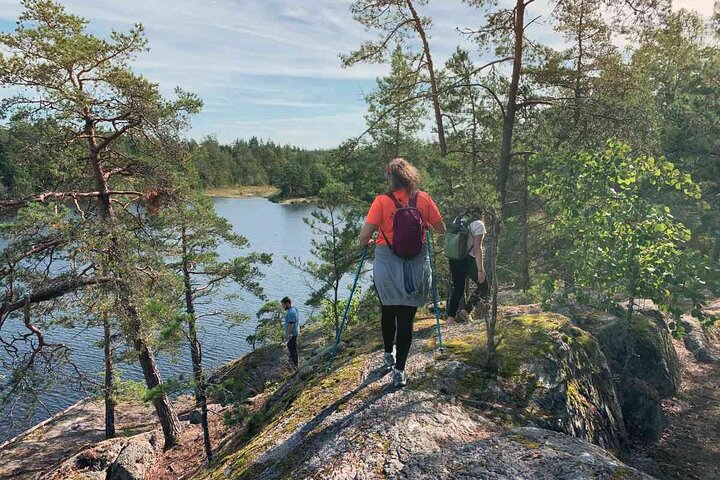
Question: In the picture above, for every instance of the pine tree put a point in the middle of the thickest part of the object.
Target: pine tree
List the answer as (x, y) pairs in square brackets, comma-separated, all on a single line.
[(118, 137), (396, 21), (395, 108), (190, 234)]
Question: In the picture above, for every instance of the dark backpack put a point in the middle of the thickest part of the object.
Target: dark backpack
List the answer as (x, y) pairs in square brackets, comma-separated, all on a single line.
[(408, 228)]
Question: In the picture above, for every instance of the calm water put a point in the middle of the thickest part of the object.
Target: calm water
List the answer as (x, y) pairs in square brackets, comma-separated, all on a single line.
[(271, 228)]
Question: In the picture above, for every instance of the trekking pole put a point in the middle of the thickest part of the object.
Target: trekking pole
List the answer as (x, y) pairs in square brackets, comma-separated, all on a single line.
[(435, 295), (338, 334)]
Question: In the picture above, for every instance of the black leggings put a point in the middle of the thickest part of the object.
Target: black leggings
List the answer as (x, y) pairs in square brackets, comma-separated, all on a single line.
[(460, 270), (398, 320)]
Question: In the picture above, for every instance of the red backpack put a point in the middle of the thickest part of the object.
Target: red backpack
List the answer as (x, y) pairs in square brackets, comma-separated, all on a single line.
[(408, 228)]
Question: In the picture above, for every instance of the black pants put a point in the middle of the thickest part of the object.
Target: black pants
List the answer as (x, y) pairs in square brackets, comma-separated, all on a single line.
[(459, 271), (293, 350), (397, 328)]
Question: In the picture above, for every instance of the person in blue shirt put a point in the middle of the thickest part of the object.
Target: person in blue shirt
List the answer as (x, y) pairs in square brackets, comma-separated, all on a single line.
[(291, 324)]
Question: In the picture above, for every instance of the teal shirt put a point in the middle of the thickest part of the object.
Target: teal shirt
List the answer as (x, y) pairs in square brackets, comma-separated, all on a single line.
[(292, 319)]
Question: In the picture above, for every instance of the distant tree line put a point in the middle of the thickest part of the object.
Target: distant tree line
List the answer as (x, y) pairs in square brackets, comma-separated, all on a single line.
[(296, 172)]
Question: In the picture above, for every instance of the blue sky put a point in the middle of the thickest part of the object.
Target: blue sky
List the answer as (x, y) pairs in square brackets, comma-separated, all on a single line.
[(268, 67)]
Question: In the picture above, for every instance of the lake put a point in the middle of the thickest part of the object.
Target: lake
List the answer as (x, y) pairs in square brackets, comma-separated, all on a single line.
[(270, 228)]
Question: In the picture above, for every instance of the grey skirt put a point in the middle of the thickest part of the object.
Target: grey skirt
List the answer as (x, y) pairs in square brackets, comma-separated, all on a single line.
[(401, 281)]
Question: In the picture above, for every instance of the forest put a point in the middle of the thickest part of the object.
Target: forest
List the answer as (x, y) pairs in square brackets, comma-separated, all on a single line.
[(595, 166)]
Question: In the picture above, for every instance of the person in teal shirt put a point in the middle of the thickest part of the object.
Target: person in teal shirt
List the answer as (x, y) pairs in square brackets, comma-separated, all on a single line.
[(291, 324)]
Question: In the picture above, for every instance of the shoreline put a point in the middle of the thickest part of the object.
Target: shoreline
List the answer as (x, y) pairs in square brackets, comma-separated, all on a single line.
[(45, 422), (258, 191), (299, 201), (243, 191)]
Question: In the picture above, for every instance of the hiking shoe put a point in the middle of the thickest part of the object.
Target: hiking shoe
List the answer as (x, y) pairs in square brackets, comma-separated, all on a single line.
[(389, 360), (399, 378)]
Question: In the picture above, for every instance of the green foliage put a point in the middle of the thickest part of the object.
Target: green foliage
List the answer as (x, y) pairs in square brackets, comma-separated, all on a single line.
[(296, 172), (303, 175), (188, 234), (620, 239), (236, 416), (168, 387), (335, 227), (680, 63), (129, 390), (328, 309), (269, 327), (395, 107), (92, 149)]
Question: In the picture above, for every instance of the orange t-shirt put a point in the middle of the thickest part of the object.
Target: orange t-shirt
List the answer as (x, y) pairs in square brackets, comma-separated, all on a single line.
[(383, 209)]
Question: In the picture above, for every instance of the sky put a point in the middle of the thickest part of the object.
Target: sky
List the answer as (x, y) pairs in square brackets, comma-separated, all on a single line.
[(270, 68)]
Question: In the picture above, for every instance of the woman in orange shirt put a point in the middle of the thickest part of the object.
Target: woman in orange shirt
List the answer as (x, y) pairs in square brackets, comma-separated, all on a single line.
[(402, 284)]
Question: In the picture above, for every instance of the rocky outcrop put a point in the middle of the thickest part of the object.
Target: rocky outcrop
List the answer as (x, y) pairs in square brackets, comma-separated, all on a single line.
[(558, 375), (352, 424), (642, 358), (698, 340), (124, 458), (642, 407), (640, 348), (135, 459)]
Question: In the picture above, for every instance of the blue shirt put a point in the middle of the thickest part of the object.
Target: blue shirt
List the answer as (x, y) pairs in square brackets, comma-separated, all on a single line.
[(292, 318)]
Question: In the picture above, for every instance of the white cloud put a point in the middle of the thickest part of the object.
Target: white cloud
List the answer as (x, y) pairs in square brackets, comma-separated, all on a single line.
[(255, 62)]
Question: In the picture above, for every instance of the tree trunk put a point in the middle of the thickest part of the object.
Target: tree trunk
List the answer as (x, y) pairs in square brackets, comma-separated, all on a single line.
[(433, 80), (205, 426), (473, 133), (109, 381), (196, 351), (491, 320), (579, 65), (200, 387), (630, 309), (397, 135), (509, 120), (166, 414), (524, 256)]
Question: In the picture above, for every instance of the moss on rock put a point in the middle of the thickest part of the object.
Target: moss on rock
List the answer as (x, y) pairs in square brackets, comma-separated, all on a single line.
[(642, 358), (551, 369)]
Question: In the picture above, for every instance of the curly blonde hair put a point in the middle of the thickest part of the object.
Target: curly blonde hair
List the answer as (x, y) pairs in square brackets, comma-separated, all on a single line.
[(402, 175)]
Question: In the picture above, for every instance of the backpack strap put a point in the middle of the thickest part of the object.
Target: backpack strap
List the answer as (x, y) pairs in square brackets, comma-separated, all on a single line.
[(397, 203), (397, 206), (412, 202), (387, 242)]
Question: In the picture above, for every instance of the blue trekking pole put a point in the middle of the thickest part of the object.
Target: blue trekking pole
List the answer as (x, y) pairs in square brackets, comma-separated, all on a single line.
[(338, 334), (435, 295)]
